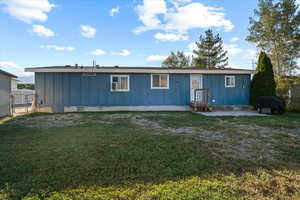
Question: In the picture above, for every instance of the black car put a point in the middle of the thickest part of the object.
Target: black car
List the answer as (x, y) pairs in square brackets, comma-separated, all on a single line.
[(274, 103)]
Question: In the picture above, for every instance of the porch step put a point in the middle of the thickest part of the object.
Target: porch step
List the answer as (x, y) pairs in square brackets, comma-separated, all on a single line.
[(200, 107)]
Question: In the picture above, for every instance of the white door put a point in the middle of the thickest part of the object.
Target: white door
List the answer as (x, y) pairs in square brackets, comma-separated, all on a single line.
[(196, 83)]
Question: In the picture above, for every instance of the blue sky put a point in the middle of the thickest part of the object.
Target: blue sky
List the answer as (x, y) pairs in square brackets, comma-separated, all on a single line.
[(117, 32)]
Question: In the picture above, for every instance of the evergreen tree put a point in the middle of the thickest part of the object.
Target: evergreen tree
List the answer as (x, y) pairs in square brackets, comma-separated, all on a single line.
[(276, 30), (177, 60), (210, 51), (263, 82)]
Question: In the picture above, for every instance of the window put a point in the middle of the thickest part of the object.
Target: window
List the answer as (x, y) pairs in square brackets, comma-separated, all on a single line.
[(230, 81), (160, 81), (119, 83)]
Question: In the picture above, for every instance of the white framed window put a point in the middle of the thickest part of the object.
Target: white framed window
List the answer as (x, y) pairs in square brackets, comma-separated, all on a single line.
[(119, 83), (229, 81), (159, 81)]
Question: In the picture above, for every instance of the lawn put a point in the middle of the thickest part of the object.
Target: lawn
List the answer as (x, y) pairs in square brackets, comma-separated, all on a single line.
[(145, 156)]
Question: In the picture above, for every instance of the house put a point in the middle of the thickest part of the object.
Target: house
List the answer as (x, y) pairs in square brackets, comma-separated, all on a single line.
[(14, 84), (74, 88), (5, 92)]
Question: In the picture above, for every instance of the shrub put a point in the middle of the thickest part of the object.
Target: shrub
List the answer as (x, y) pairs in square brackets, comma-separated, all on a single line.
[(263, 82)]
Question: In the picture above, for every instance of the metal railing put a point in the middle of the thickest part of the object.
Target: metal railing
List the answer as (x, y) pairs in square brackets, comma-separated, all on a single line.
[(201, 96), (22, 103)]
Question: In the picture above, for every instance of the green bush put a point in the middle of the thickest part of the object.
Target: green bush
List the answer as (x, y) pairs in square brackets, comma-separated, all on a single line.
[(263, 82)]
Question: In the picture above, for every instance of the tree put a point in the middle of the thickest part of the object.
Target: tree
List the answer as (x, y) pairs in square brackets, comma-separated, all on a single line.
[(177, 60), (263, 82), (210, 51), (276, 31)]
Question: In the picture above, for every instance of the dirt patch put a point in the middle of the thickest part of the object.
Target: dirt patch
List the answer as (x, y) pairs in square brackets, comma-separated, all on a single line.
[(183, 130), (117, 116), (247, 142), (48, 121), (144, 123), (56, 120)]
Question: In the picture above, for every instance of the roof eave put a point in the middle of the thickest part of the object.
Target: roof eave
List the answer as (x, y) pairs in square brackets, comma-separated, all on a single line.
[(140, 70), (8, 74)]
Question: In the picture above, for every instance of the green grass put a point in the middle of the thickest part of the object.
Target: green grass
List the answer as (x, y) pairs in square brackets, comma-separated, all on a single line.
[(119, 160)]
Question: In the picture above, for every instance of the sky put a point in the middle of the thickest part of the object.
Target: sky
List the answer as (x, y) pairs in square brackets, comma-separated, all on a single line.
[(37, 33)]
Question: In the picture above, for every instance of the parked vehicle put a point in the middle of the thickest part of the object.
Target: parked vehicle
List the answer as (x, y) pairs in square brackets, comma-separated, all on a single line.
[(273, 103)]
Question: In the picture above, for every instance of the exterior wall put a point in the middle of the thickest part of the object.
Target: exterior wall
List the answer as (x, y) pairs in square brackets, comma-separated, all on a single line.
[(57, 90), (219, 95), (14, 84), (5, 84)]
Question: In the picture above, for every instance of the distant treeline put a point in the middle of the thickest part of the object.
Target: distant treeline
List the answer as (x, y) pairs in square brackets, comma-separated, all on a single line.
[(25, 86)]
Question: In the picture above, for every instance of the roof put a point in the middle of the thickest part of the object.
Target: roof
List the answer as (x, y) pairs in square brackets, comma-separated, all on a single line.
[(117, 69), (7, 74)]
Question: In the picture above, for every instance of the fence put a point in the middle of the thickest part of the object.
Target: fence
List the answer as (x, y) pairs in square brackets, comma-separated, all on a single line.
[(294, 100), (22, 100)]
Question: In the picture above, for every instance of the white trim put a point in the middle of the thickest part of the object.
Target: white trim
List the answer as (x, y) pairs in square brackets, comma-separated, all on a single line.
[(139, 70), (124, 108), (160, 88), (191, 84), (230, 86), (119, 75)]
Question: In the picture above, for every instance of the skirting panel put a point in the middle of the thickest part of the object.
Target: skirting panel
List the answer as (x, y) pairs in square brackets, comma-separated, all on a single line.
[(125, 108)]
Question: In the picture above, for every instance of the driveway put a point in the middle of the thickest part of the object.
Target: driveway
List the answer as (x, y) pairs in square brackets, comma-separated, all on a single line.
[(232, 113)]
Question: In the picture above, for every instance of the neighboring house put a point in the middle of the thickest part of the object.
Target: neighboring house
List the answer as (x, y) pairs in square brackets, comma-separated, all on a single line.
[(70, 89), (14, 84), (5, 92), (21, 97)]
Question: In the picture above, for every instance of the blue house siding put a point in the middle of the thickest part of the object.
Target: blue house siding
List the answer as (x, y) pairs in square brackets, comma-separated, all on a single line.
[(220, 95), (57, 90)]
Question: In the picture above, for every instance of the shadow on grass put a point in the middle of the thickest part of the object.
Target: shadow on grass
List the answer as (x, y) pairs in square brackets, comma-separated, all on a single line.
[(114, 157)]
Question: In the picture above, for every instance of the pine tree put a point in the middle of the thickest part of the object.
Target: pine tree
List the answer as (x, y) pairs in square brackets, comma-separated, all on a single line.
[(178, 59), (276, 31), (210, 51), (263, 82)]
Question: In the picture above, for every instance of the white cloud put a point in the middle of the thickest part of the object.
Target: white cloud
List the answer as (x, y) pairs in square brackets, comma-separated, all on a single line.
[(196, 15), (88, 31), (114, 11), (28, 10), (58, 48), (98, 52), (235, 39), (170, 37), (148, 14), (181, 17), (125, 52), (13, 68), (156, 58), (232, 49), (42, 31)]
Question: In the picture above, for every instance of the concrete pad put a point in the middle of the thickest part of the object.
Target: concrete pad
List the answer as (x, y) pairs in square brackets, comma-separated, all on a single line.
[(232, 113)]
